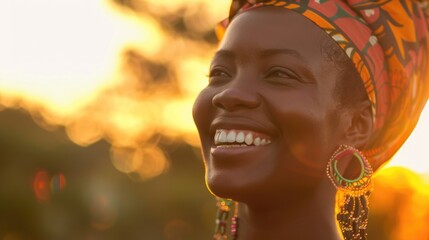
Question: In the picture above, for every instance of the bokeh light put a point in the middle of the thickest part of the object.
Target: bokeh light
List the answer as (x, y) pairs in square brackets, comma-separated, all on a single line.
[(45, 185), (103, 213), (41, 186), (139, 164)]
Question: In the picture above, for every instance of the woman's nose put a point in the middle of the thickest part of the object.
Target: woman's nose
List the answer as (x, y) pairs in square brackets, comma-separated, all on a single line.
[(235, 98)]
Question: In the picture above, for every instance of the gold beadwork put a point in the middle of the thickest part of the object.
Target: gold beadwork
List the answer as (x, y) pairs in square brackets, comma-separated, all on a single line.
[(352, 195)]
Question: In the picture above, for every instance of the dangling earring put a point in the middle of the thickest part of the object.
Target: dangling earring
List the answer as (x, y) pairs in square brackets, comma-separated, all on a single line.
[(234, 223), (352, 194), (224, 207)]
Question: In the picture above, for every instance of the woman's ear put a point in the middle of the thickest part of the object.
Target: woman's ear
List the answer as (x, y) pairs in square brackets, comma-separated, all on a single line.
[(358, 131), (360, 125)]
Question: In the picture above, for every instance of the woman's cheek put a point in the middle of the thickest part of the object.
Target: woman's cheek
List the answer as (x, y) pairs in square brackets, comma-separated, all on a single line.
[(203, 112), (304, 138), (201, 108)]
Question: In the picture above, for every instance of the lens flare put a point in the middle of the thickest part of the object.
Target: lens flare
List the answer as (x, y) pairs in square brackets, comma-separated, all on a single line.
[(58, 183), (45, 185), (41, 186)]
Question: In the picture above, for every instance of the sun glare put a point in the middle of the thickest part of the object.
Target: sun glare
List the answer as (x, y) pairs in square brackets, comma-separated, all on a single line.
[(412, 154), (60, 53)]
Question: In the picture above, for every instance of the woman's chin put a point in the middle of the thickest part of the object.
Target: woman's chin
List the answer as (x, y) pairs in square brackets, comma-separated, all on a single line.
[(221, 186), (227, 192), (231, 187)]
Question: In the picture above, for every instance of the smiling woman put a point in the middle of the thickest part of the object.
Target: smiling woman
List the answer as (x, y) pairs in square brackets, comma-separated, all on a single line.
[(287, 113)]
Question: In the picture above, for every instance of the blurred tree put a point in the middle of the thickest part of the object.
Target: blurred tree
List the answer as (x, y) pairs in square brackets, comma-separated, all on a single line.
[(96, 201)]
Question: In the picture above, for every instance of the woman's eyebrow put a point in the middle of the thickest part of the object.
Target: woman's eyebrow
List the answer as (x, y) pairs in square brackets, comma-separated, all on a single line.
[(284, 51), (263, 53), (224, 54)]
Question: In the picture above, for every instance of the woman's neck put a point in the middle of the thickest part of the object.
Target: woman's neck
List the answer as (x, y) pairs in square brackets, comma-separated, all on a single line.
[(308, 215)]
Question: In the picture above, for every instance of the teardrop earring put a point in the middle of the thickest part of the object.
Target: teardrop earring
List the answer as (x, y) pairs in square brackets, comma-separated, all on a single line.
[(352, 194)]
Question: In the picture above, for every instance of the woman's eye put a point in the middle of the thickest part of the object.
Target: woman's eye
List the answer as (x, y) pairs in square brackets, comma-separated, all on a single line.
[(280, 74), (218, 73)]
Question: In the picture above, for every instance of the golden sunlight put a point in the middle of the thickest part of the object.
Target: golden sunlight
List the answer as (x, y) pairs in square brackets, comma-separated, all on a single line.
[(59, 54), (96, 68), (412, 155), (127, 72)]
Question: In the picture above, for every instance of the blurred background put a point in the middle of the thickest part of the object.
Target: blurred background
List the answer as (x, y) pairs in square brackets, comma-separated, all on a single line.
[(97, 140)]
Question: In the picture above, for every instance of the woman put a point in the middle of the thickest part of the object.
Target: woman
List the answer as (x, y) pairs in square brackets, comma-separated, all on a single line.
[(305, 100)]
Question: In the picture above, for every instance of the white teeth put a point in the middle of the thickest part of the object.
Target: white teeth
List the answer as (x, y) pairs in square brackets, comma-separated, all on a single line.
[(216, 137), (249, 139), (257, 141), (230, 137), (222, 137), (240, 137)]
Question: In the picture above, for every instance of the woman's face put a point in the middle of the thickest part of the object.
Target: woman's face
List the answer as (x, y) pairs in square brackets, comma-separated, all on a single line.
[(268, 117)]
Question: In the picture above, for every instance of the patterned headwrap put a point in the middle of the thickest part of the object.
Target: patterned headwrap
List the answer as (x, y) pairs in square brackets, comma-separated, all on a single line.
[(388, 42)]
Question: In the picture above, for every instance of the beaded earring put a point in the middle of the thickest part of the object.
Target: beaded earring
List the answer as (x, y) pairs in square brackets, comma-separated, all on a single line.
[(352, 194), (224, 208)]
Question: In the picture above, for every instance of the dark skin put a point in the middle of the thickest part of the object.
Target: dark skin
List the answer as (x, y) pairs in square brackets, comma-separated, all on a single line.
[(269, 77)]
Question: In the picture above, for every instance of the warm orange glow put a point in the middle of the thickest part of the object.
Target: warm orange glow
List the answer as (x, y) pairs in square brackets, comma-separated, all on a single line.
[(141, 163), (68, 51), (402, 196), (71, 71), (75, 71), (413, 155), (106, 72)]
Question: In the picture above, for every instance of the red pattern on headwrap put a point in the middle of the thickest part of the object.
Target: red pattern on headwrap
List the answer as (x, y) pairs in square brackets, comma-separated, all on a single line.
[(388, 42)]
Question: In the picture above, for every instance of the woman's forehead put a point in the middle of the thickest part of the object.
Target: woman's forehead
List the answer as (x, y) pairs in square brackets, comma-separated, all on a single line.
[(268, 29)]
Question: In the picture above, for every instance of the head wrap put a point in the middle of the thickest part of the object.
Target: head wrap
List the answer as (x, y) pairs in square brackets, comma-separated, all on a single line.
[(388, 43)]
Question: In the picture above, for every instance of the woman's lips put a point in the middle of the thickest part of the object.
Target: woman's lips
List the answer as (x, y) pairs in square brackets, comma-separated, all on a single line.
[(239, 138)]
